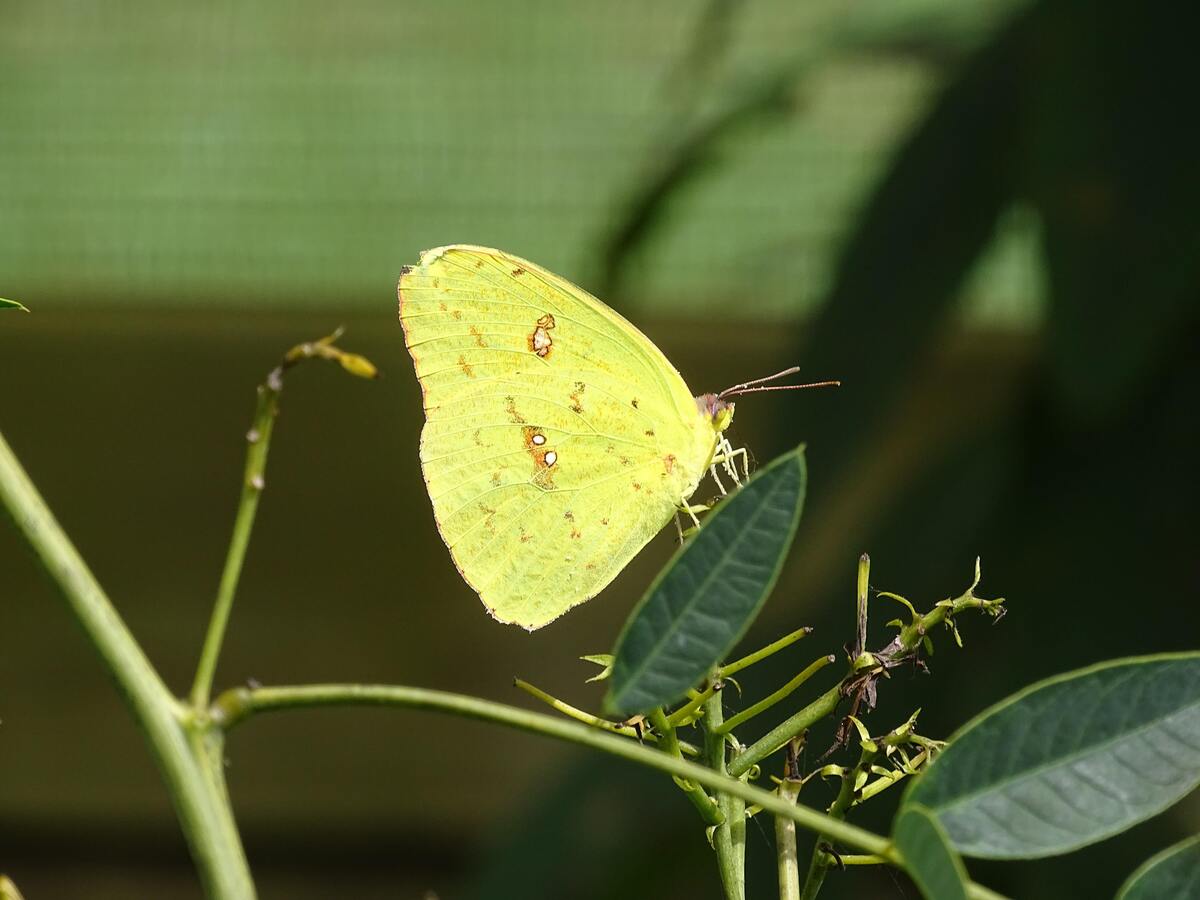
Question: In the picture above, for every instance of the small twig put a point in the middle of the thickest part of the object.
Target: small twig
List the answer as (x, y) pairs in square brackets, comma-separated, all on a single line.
[(259, 440), (587, 718), (787, 859), (860, 681), (759, 655), (767, 702), (705, 805), (728, 838), (822, 857)]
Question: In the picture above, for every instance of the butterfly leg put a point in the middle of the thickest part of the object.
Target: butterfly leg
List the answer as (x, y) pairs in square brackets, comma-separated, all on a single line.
[(730, 460), (691, 510), (712, 470), (726, 457), (744, 455)]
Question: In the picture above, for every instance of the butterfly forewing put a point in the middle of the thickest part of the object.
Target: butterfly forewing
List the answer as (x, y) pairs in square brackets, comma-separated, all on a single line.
[(558, 439)]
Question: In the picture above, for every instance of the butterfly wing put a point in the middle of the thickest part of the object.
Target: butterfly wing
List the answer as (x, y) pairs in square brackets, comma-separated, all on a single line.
[(558, 439)]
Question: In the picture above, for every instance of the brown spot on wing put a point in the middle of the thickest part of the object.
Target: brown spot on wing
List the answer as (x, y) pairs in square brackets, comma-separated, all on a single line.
[(637, 486), (669, 462), (518, 272), (442, 306), (649, 432), (479, 341), (569, 516), (496, 478), (635, 402), (576, 533), (539, 340), (529, 432), (489, 513), (457, 314), (543, 475), (577, 397), (466, 367), (510, 406), (476, 437), (604, 521)]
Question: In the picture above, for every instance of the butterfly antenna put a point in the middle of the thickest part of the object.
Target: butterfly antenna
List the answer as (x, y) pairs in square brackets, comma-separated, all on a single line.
[(755, 386)]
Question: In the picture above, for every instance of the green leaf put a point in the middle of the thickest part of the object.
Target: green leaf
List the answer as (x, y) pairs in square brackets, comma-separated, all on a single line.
[(1175, 872), (1070, 760), (704, 600), (11, 304), (604, 661), (928, 856)]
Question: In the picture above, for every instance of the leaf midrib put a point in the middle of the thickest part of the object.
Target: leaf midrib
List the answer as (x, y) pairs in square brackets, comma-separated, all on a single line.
[(1062, 761)]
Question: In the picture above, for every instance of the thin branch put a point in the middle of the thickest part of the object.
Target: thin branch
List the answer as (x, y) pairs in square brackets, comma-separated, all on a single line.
[(767, 702), (233, 706), (759, 655), (705, 805), (259, 440), (729, 838), (206, 822), (587, 718)]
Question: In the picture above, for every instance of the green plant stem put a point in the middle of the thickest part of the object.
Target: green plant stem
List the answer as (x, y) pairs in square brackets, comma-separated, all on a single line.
[(692, 708), (759, 655), (237, 704), (818, 864), (206, 821), (697, 699), (705, 805), (786, 856), (899, 648), (883, 782), (587, 718), (259, 440), (725, 839), (767, 702), (785, 731)]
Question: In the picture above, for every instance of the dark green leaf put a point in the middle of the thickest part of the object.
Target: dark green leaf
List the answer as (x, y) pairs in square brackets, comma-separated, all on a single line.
[(707, 596), (928, 856), (11, 304), (1070, 760), (1173, 873)]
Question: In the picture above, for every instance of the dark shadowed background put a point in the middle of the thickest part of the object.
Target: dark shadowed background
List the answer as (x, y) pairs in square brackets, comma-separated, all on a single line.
[(981, 217)]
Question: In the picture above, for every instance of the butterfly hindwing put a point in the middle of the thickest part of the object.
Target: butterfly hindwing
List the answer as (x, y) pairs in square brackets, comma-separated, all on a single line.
[(558, 439)]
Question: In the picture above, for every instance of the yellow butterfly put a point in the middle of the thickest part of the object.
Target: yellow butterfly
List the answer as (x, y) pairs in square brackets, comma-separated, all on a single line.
[(558, 439)]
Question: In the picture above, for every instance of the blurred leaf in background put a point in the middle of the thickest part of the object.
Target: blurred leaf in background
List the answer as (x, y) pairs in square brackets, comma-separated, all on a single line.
[(981, 217)]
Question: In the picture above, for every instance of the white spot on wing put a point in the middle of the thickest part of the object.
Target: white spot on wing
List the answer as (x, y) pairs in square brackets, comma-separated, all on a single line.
[(551, 457)]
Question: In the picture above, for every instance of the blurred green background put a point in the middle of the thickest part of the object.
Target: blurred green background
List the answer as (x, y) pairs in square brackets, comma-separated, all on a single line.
[(982, 217)]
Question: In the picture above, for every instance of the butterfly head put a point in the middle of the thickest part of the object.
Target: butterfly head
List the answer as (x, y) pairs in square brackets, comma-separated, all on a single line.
[(718, 412), (718, 409)]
